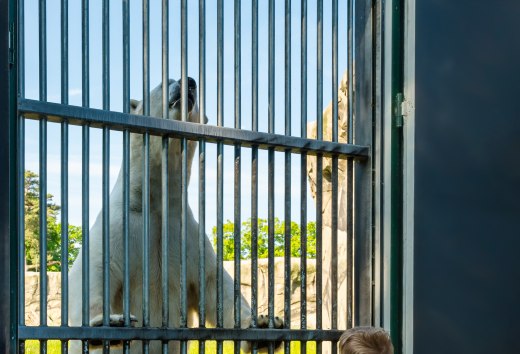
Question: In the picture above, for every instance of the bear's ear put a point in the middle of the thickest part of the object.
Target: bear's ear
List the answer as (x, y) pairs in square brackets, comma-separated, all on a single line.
[(134, 104)]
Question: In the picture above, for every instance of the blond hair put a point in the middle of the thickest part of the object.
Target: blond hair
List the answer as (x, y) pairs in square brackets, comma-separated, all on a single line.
[(365, 340)]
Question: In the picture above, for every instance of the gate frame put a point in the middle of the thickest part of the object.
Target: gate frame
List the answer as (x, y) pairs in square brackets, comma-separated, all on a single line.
[(378, 243), (8, 182)]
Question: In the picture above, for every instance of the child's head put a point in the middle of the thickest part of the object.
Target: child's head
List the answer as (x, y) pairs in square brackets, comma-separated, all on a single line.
[(365, 340)]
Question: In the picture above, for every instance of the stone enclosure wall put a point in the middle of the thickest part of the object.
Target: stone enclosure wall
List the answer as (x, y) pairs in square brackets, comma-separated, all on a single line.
[(32, 291)]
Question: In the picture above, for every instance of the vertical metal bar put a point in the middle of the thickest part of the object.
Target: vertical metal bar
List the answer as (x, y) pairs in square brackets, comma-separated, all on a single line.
[(334, 207), (237, 190), (377, 202), (64, 52), (288, 67), (126, 55), (303, 70), (271, 67), (349, 176), (319, 69), (85, 186), (85, 61), (64, 171), (335, 70), (238, 63), (21, 174), (126, 171), (271, 172), (85, 247), (9, 291), (254, 236), (270, 240), (319, 247), (21, 167), (350, 68), (202, 171), (106, 54), (363, 41), (220, 63), (146, 234), (43, 171), (220, 167), (126, 229), (21, 219), (126, 242), (165, 56), (106, 227), (254, 65), (220, 237), (146, 58), (184, 176), (334, 245), (350, 242), (287, 192), (319, 172), (164, 173), (287, 248), (21, 48), (303, 246), (146, 173), (164, 238), (202, 239), (319, 242), (43, 229), (106, 169), (42, 16), (237, 242), (184, 168), (303, 174), (254, 168)]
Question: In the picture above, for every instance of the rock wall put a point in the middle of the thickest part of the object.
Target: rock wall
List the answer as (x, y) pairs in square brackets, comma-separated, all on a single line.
[(32, 298), (32, 291)]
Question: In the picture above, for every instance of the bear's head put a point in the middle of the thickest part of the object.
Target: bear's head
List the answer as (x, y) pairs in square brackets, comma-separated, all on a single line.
[(174, 102)]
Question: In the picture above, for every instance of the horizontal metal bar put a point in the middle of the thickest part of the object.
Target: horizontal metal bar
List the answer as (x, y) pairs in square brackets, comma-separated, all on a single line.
[(33, 109), (124, 333)]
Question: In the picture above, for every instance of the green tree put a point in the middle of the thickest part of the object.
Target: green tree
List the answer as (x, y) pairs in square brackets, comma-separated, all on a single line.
[(32, 229), (263, 229)]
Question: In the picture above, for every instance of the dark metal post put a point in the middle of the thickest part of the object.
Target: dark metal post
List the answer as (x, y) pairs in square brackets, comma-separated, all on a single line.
[(21, 170), (8, 185), (363, 296)]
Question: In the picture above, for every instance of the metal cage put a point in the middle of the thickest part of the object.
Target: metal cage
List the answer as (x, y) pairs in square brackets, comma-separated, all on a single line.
[(370, 296)]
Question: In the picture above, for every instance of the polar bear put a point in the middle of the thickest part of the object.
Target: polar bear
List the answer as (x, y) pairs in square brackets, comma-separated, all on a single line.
[(136, 243)]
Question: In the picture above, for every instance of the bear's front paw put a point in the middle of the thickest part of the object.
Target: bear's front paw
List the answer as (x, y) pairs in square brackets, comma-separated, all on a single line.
[(115, 320), (263, 322)]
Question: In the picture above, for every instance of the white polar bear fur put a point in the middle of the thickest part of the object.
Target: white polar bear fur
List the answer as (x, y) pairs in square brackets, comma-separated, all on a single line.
[(136, 245)]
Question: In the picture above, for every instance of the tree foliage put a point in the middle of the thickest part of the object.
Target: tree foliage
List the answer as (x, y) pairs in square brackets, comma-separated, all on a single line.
[(32, 229), (263, 232)]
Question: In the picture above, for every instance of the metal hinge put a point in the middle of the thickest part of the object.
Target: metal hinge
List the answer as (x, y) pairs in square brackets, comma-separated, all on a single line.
[(11, 44), (402, 109)]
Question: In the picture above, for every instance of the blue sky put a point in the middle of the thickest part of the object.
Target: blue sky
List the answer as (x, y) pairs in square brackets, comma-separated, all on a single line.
[(75, 92)]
